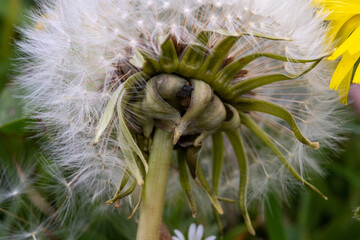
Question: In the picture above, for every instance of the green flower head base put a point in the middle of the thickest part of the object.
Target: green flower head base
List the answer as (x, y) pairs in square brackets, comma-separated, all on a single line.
[(191, 95)]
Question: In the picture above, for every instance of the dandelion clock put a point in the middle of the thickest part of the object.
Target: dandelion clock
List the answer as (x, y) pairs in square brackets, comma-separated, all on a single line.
[(125, 90)]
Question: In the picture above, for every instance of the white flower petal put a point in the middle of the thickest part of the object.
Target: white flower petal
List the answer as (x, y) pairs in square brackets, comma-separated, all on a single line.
[(192, 232), (210, 238), (179, 235), (199, 232)]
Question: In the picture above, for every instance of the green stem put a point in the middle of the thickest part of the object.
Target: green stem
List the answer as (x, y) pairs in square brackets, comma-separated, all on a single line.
[(153, 197)]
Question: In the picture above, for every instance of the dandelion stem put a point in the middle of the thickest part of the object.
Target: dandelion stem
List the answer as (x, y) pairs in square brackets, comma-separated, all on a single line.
[(153, 197)]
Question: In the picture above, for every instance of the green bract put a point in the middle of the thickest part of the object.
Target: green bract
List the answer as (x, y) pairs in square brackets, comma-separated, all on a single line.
[(191, 95)]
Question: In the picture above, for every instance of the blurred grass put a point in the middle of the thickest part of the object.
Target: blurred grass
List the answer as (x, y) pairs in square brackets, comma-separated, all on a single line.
[(306, 217)]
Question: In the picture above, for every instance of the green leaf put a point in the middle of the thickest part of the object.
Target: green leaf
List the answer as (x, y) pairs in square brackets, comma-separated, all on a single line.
[(15, 127), (236, 232), (274, 218), (10, 105), (351, 175)]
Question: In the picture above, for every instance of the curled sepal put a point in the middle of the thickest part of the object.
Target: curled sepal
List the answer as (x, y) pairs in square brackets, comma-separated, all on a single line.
[(227, 200), (253, 34), (201, 96), (185, 183), (168, 86), (148, 127), (208, 121), (144, 61), (136, 206), (212, 117), (124, 134), (192, 157), (168, 59), (246, 104), (232, 120), (119, 100), (217, 165), (193, 56), (202, 182), (235, 140), (236, 90), (118, 195), (155, 106), (108, 113), (229, 72), (217, 160), (199, 139), (253, 127), (131, 161)]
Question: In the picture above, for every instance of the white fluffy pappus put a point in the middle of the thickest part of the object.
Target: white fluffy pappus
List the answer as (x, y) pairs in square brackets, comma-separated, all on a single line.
[(78, 52)]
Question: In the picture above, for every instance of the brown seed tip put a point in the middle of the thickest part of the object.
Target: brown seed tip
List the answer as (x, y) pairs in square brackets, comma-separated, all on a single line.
[(315, 145)]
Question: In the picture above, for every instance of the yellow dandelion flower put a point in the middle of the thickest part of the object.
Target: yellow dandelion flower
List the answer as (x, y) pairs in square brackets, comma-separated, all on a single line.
[(344, 25)]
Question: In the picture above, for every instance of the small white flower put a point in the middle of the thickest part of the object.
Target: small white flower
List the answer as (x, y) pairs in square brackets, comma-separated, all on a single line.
[(194, 233)]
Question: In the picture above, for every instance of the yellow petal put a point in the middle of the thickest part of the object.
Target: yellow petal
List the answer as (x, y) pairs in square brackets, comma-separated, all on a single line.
[(335, 27), (351, 45), (347, 28), (354, 48), (357, 76), (344, 67), (344, 88), (338, 9)]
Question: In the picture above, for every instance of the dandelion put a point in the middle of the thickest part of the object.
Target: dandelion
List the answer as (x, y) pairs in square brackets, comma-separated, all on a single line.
[(119, 85), (345, 33), (357, 214), (195, 233)]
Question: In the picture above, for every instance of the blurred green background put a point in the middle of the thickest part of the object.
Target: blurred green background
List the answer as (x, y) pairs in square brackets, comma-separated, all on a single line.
[(306, 216)]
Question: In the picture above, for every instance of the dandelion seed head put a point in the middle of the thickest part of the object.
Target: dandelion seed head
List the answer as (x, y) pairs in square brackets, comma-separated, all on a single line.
[(84, 50)]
